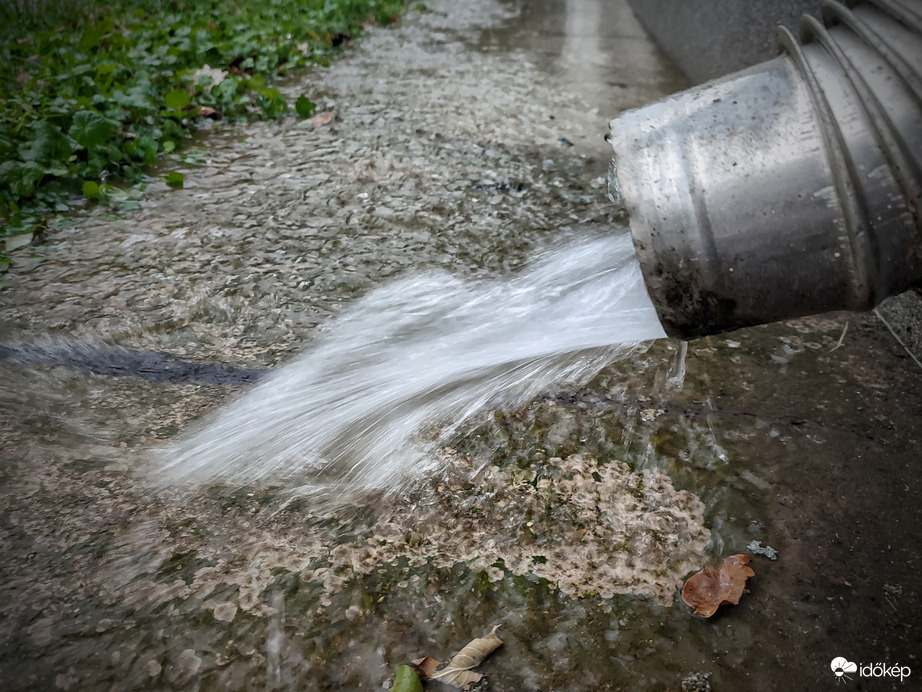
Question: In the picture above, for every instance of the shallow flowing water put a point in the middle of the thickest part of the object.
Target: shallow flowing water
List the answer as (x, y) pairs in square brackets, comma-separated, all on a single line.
[(431, 349)]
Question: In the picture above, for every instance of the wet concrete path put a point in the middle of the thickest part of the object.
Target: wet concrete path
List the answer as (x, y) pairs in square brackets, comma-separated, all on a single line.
[(463, 138)]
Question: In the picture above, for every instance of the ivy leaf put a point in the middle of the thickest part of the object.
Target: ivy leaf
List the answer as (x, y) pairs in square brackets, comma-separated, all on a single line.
[(257, 83), (48, 144), (305, 107), (106, 68), (272, 102), (91, 129), (136, 97), (93, 35), (177, 99), (143, 149), (21, 177), (91, 190), (227, 89), (175, 179)]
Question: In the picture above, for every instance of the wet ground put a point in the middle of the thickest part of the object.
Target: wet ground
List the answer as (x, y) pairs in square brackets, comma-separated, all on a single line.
[(463, 138)]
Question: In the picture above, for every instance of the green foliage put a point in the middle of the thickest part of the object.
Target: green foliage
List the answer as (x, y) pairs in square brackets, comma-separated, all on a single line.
[(91, 189), (175, 179), (304, 107), (406, 679), (91, 130), (96, 90), (177, 99)]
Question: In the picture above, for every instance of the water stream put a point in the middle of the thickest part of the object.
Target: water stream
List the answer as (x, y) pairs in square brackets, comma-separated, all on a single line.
[(428, 351)]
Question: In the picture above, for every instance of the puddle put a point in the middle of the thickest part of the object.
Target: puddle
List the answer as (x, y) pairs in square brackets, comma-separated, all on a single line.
[(443, 155)]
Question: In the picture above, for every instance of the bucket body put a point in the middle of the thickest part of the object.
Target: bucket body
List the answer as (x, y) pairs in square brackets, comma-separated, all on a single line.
[(787, 189)]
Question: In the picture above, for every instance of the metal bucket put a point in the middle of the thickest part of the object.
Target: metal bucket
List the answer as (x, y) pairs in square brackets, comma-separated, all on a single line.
[(788, 189)]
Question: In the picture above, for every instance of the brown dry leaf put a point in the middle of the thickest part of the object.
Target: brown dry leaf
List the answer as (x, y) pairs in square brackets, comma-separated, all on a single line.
[(710, 588), (433, 669), (457, 672), (324, 118)]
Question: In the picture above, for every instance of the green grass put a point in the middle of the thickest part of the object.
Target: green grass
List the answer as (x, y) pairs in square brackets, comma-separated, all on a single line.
[(95, 91)]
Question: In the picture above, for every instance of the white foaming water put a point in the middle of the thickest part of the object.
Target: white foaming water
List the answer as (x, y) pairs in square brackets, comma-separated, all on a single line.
[(401, 370)]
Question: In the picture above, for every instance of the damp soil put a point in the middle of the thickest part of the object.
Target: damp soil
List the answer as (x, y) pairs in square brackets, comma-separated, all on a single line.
[(463, 138)]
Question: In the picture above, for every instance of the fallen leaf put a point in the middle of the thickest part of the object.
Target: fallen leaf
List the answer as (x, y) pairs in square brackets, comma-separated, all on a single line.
[(712, 587), (324, 118), (457, 672), (462, 679), (207, 112)]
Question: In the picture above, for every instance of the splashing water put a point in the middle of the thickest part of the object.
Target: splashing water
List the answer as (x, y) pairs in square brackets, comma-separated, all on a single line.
[(403, 369)]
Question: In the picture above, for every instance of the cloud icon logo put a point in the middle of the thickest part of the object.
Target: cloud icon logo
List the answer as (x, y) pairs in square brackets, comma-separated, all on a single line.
[(840, 666)]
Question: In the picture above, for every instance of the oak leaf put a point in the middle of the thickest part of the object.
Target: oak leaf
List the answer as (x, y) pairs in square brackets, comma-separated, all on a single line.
[(457, 672), (712, 587)]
